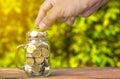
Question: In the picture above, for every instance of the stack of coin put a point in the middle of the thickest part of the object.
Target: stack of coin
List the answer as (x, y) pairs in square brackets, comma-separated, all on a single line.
[(37, 54), (37, 59)]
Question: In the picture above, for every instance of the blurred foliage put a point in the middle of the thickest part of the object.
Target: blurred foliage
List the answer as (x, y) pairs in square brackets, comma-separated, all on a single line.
[(92, 41)]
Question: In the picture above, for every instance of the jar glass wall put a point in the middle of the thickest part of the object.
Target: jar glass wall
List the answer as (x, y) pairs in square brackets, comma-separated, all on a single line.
[(37, 54)]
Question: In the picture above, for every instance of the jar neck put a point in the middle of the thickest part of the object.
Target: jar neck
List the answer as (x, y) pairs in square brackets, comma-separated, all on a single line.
[(36, 39)]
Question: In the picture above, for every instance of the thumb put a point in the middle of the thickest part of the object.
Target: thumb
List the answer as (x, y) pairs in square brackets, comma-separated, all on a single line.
[(49, 19)]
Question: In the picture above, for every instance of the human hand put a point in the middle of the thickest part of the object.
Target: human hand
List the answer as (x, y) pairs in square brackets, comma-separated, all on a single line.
[(65, 11)]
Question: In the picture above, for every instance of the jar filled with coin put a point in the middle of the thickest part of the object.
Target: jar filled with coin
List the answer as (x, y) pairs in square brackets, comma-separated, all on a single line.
[(36, 55)]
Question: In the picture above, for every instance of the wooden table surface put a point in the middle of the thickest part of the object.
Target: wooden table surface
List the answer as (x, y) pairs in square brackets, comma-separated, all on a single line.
[(77, 73)]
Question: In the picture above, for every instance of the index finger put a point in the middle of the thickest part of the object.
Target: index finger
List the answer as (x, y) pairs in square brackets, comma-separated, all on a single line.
[(42, 12)]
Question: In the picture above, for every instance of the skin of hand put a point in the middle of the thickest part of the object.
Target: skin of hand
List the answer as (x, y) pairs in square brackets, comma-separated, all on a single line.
[(65, 11)]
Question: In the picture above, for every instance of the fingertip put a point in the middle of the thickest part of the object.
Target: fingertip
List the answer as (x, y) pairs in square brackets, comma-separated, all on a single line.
[(42, 26), (36, 26), (70, 21)]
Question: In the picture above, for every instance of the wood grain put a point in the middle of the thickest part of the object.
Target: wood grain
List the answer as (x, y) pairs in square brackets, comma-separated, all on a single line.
[(9, 73), (84, 73), (66, 73)]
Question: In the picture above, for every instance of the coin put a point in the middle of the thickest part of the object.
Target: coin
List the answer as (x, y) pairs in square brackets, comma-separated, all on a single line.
[(29, 55), (30, 61), (42, 44), (36, 68), (31, 48), (39, 60), (36, 53), (28, 68), (46, 63), (33, 33), (47, 70), (45, 52), (42, 69)]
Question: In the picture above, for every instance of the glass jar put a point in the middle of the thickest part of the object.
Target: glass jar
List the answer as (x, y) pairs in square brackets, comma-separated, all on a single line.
[(36, 55)]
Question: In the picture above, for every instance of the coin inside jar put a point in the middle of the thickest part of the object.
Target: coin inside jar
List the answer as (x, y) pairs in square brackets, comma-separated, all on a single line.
[(42, 46), (46, 63), (36, 53), (30, 61), (45, 52), (31, 48), (39, 60), (29, 55), (36, 68)]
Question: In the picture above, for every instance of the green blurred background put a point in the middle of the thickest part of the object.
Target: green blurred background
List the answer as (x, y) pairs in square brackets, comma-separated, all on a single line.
[(91, 42)]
